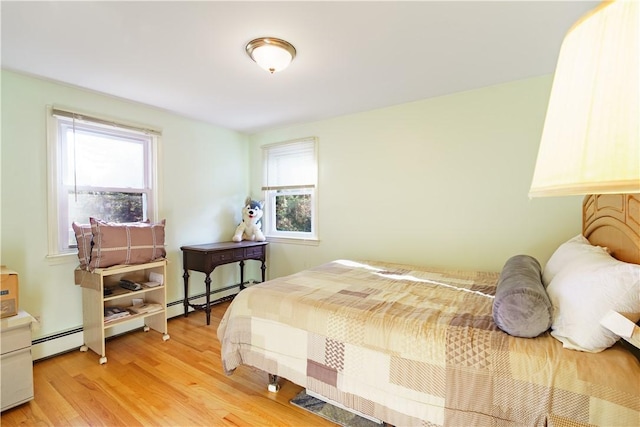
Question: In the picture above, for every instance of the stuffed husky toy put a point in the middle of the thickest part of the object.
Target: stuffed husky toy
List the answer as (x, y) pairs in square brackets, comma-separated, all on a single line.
[(249, 228)]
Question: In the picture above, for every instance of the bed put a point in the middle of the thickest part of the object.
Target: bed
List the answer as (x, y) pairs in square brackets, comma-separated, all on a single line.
[(411, 345)]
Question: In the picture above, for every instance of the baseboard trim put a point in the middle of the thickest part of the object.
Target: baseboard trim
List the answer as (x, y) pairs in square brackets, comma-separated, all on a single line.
[(53, 345)]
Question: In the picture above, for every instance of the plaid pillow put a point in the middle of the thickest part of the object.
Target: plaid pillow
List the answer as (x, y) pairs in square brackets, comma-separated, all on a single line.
[(124, 244), (83, 239)]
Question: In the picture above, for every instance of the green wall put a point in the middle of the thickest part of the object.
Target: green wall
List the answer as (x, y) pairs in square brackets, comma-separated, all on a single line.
[(441, 182), (203, 183)]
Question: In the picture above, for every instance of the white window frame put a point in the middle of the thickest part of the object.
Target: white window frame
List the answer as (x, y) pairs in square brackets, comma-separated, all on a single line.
[(306, 186), (57, 198)]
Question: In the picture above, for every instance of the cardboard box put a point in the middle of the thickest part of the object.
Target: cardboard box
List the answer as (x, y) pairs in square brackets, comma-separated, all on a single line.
[(8, 292)]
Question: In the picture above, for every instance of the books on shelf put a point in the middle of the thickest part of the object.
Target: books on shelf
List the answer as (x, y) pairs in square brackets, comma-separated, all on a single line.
[(151, 284), (156, 278), (147, 307), (112, 313)]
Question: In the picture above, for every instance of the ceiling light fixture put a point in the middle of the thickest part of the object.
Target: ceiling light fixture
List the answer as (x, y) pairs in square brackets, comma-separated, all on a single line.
[(270, 53)]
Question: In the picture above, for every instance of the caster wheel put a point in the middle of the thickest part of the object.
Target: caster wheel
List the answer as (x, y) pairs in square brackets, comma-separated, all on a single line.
[(273, 388), (84, 348), (103, 360)]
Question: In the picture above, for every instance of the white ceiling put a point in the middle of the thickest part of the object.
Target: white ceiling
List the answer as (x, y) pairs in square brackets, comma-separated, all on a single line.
[(189, 58)]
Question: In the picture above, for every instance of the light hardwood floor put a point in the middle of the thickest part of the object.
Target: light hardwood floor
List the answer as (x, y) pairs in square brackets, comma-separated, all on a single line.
[(147, 381)]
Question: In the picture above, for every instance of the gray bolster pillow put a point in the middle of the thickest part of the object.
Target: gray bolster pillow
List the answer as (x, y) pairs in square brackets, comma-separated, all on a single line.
[(522, 307)]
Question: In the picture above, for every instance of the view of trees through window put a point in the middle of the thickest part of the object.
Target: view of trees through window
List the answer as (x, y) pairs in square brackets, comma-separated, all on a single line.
[(108, 206), (293, 212), (102, 170), (290, 180)]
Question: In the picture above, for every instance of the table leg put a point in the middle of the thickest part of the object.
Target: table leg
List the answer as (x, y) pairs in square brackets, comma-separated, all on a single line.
[(207, 308), (241, 274), (263, 268), (186, 292)]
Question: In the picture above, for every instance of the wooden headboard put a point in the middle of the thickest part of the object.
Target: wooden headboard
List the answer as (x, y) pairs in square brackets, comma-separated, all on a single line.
[(613, 220)]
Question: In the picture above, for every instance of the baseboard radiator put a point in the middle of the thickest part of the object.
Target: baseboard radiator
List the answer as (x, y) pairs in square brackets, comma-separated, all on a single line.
[(71, 339)]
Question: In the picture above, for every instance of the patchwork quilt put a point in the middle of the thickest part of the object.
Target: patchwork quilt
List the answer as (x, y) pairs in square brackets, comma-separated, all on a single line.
[(418, 346)]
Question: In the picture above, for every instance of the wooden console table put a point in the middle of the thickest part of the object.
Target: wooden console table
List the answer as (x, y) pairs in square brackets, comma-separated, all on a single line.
[(206, 257)]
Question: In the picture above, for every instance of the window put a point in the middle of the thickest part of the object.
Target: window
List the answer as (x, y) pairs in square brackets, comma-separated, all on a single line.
[(97, 168), (290, 186)]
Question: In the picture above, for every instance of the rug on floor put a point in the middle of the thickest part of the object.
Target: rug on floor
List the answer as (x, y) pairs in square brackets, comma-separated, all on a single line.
[(332, 413)]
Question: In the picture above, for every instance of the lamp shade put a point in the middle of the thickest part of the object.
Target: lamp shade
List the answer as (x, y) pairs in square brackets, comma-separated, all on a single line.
[(271, 53), (591, 138)]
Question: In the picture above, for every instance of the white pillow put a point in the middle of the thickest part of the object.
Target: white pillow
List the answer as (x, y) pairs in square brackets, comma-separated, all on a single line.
[(585, 284), (566, 253)]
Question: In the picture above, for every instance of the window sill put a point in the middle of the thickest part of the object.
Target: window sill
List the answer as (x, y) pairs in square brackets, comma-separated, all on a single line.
[(59, 259), (294, 240)]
